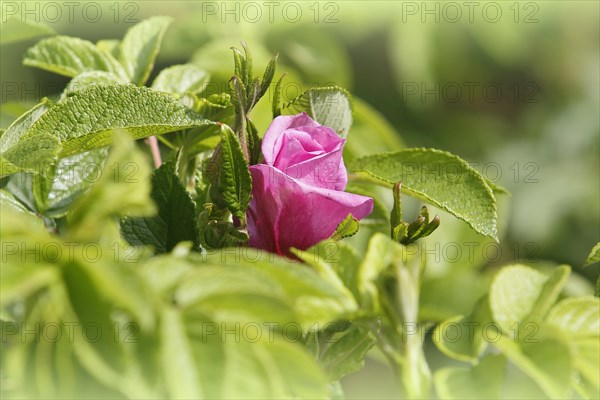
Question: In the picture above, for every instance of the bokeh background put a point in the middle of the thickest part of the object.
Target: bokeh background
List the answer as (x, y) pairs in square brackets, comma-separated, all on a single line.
[(512, 87)]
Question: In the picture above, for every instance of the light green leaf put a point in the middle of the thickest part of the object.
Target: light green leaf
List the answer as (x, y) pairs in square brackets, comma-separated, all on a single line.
[(347, 353), (235, 179), (439, 178), (18, 281), (579, 316), (17, 30), (122, 190), (180, 79), (549, 294), (484, 381), (71, 56), (57, 188), (335, 262), (255, 364), (229, 278), (381, 252), (111, 46), (29, 154), (86, 120), (463, 338), (140, 46), (176, 218), (14, 132), (329, 106), (521, 294), (86, 79), (513, 294), (176, 350), (594, 255), (545, 358), (586, 357), (9, 201)]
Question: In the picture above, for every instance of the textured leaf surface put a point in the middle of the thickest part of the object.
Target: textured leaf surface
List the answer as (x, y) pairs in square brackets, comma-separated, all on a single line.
[(439, 178), (71, 56), (86, 120)]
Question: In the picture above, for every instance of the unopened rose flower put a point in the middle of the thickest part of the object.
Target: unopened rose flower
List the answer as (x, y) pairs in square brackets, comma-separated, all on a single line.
[(298, 196)]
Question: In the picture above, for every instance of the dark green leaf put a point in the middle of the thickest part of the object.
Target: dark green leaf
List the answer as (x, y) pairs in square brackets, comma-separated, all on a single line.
[(348, 227), (176, 218), (235, 179)]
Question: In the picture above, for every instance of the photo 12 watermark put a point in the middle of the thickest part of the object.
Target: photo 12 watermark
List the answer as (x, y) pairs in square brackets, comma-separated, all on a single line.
[(50, 12)]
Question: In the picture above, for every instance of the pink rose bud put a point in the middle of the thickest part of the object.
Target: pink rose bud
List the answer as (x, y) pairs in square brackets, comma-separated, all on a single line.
[(298, 196)]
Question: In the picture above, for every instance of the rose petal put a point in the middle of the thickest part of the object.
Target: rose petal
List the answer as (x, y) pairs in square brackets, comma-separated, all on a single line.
[(325, 171), (277, 127), (285, 212)]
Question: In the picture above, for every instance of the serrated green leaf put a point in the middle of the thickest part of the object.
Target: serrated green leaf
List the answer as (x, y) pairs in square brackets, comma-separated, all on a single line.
[(594, 255), (439, 178), (71, 56), (348, 227), (235, 179), (347, 354), (267, 78), (139, 47), (276, 103), (16, 30), (176, 218), (179, 79), (86, 120), (329, 106)]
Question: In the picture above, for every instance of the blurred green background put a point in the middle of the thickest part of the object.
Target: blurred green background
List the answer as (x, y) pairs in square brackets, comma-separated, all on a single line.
[(512, 87)]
